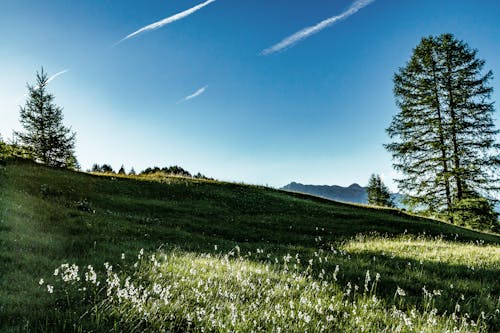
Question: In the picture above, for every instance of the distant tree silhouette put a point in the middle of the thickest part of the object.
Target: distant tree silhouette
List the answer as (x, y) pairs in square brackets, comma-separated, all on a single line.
[(202, 176), (96, 168), (106, 168), (132, 172), (172, 170), (150, 170), (122, 170)]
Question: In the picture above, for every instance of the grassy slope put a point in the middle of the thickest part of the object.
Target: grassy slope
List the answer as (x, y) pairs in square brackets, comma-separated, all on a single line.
[(41, 227)]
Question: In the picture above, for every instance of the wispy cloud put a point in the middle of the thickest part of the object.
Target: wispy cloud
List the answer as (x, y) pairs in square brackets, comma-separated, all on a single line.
[(56, 75), (306, 32), (196, 94), (168, 20), (48, 81), (52, 78)]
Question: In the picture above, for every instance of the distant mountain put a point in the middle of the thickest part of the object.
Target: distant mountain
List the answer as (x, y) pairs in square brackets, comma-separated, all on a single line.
[(353, 193)]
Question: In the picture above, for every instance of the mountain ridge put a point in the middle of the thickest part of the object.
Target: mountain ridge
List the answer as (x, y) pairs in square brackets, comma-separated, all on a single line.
[(353, 193)]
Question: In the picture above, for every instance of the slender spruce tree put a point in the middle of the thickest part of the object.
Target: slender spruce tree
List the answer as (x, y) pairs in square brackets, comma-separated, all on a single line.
[(444, 134), (378, 192), (122, 170), (45, 136)]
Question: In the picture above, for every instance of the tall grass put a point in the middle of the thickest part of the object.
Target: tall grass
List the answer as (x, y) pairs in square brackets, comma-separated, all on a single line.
[(175, 291)]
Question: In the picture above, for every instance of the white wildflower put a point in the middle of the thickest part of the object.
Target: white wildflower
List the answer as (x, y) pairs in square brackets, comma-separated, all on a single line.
[(400, 292)]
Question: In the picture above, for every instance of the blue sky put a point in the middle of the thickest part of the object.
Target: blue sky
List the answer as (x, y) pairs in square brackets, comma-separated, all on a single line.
[(314, 113)]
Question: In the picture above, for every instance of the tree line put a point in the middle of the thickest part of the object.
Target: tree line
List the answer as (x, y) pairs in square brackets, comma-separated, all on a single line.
[(171, 170)]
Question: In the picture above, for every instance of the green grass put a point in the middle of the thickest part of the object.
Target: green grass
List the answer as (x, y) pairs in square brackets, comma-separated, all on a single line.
[(49, 217)]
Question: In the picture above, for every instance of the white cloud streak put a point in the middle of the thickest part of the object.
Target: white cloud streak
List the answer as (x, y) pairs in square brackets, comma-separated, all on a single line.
[(57, 74), (196, 94), (48, 80), (52, 78), (167, 20), (307, 32)]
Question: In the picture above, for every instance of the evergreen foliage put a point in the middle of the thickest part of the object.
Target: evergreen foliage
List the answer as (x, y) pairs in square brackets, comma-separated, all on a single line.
[(477, 213), (172, 170), (13, 151), (444, 134), (96, 168), (122, 170), (378, 193), (106, 168), (45, 136)]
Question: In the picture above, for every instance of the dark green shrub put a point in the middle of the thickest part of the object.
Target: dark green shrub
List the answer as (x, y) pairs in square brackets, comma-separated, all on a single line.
[(477, 213)]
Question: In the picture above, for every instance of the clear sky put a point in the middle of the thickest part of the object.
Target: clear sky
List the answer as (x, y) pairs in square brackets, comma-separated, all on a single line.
[(212, 91)]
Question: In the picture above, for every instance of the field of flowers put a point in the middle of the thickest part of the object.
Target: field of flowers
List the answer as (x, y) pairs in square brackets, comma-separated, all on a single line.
[(81, 253), (172, 291)]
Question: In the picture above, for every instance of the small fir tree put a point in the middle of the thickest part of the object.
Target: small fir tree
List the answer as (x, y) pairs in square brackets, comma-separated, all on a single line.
[(122, 170), (45, 136), (378, 192)]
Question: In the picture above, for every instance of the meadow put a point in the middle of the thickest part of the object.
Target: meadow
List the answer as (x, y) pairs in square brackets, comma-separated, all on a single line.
[(82, 252)]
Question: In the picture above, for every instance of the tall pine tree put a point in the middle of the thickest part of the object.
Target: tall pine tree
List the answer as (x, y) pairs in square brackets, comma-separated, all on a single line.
[(444, 135), (45, 136)]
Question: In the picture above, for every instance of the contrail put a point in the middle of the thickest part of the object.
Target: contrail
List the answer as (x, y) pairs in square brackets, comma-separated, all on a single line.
[(52, 78), (48, 80), (306, 32), (196, 94), (167, 20), (57, 74)]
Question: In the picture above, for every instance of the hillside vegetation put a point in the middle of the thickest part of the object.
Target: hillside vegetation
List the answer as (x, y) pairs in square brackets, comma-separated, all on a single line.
[(81, 252)]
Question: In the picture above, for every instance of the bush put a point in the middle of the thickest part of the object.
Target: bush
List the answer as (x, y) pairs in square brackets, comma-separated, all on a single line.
[(477, 213), (13, 151)]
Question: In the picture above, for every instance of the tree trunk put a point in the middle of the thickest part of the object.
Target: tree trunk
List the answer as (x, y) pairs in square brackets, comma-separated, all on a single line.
[(442, 143), (453, 116)]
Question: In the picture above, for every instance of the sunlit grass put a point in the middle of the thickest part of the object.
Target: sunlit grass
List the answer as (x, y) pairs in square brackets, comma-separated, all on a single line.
[(179, 292), (472, 255)]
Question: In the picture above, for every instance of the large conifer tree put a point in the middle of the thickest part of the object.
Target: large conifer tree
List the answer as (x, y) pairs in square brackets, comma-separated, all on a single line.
[(444, 135), (45, 136)]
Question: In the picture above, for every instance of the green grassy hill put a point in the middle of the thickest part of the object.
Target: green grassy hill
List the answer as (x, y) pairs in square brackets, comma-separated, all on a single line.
[(50, 217)]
